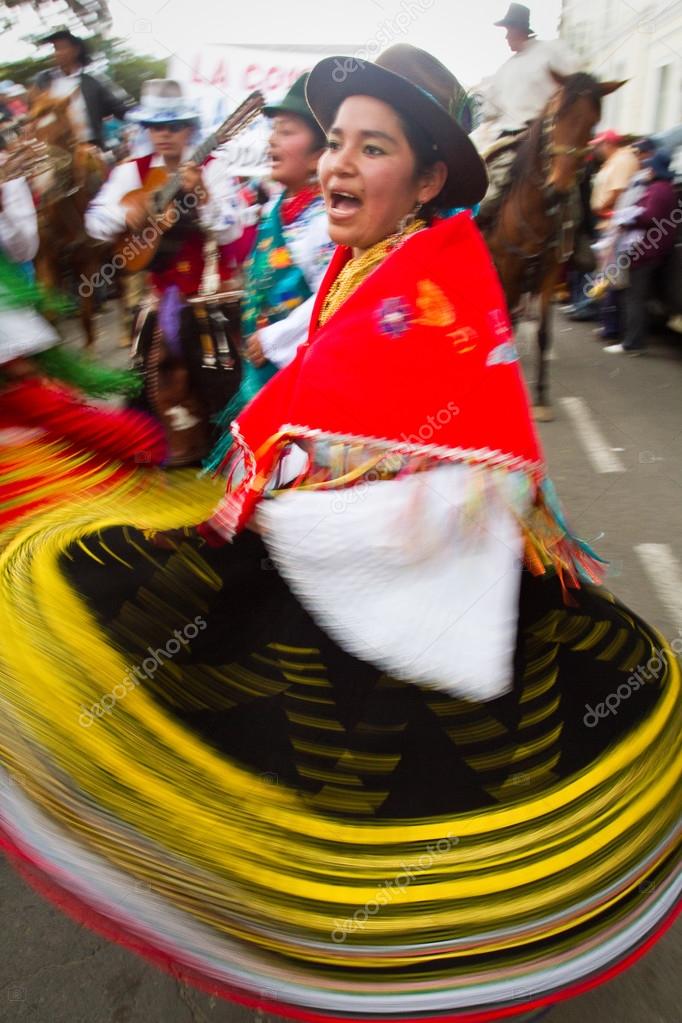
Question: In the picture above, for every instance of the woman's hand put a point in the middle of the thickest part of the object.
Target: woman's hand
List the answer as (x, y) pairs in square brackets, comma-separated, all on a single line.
[(254, 352)]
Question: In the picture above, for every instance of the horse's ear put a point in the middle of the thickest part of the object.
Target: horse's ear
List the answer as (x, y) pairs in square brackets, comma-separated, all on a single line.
[(558, 77), (606, 88)]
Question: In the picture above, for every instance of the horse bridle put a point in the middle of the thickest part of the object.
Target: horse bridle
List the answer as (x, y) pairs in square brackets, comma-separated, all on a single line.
[(549, 148), (556, 202)]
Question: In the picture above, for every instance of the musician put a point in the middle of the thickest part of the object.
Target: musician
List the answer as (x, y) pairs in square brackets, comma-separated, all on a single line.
[(209, 206), (92, 97)]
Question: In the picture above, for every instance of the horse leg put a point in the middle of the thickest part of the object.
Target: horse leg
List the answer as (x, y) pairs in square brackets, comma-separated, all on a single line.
[(86, 268), (542, 410), (88, 320), (47, 276)]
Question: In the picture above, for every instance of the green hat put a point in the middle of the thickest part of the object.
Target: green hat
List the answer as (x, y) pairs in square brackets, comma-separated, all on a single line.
[(295, 103)]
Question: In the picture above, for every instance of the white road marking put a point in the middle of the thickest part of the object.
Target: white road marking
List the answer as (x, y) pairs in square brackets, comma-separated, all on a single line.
[(601, 455), (665, 574)]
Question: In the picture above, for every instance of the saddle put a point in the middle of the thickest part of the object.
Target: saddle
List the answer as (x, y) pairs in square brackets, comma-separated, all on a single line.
[(499, 160), (509, 142)]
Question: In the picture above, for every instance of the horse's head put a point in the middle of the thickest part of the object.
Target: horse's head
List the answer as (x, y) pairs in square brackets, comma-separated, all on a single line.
[(570, 120), (49, 122)]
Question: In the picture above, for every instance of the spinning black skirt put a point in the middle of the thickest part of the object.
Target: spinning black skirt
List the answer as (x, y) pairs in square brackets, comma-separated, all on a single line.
[(196, 768)]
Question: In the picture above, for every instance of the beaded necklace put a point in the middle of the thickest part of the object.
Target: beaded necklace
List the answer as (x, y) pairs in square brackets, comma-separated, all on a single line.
[(356, 270)]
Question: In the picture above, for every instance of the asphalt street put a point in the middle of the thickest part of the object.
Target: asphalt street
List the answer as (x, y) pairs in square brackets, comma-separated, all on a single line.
[(615, 455)]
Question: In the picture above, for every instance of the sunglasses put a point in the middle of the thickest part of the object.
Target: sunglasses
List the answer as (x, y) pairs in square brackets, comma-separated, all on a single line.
[(173, 126)]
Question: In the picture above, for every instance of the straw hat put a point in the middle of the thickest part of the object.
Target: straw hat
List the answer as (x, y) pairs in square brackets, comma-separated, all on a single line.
[(163, 100)]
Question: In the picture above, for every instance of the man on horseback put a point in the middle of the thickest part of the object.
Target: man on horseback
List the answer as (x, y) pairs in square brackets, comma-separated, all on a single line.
[(92, 98), (514, 97)]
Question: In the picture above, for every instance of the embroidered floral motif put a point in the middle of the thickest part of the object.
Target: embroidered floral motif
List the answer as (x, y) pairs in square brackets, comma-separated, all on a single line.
[(393, 317), (435, 307), (504, 355), (438, 311)]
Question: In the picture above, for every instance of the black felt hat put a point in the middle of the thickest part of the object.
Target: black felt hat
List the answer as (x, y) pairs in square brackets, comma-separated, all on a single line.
[(422, 89), (518, 16), (69, 37)]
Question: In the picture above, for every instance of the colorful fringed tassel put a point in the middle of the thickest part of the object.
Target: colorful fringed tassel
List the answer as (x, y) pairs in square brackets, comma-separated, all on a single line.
[(253, 379), (119, 434), (19, 291), (91, 378)]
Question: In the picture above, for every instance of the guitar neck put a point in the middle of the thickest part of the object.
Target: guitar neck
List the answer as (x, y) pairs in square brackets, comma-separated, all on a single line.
[(174, 184)]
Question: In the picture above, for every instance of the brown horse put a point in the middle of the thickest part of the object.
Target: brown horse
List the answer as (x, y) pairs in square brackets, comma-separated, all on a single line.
[(532, 236), (63, 197)]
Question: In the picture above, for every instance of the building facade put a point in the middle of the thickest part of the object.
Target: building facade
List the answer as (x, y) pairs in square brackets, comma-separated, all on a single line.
[(637, 41)]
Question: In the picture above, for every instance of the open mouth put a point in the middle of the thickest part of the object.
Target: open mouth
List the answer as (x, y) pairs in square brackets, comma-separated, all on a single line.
[(345, 203)]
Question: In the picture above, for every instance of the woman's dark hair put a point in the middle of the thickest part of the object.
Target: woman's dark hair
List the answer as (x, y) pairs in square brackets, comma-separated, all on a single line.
[(426, 155)]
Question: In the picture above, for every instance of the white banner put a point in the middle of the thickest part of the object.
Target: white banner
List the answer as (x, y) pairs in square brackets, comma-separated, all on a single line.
[(220, 77)]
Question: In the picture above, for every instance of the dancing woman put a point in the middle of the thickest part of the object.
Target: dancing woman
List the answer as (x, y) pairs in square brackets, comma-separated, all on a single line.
[(390, 752)]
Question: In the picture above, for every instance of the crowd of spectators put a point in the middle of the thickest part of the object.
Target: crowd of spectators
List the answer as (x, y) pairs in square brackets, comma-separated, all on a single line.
[(630, 220)]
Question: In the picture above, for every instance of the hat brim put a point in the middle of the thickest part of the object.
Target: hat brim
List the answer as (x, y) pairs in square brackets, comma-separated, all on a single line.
[(301, 110), (148, 120), (513, 24), (60, 34), (326, 89)]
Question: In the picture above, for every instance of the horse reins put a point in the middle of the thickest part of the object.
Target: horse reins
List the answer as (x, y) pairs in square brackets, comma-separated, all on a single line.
[(556, 205)]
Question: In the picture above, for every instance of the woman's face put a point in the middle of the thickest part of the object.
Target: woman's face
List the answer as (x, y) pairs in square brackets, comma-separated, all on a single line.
[(368, 174), (293, 158)]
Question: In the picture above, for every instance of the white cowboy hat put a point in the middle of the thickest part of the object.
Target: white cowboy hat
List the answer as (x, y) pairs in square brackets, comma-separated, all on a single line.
[(162, 100)]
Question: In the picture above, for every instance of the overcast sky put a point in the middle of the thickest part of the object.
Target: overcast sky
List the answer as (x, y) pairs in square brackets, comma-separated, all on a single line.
[(459, 32)]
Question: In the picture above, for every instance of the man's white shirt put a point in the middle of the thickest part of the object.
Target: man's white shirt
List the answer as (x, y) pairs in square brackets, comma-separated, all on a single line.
[(522, 87), (70, 85)]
